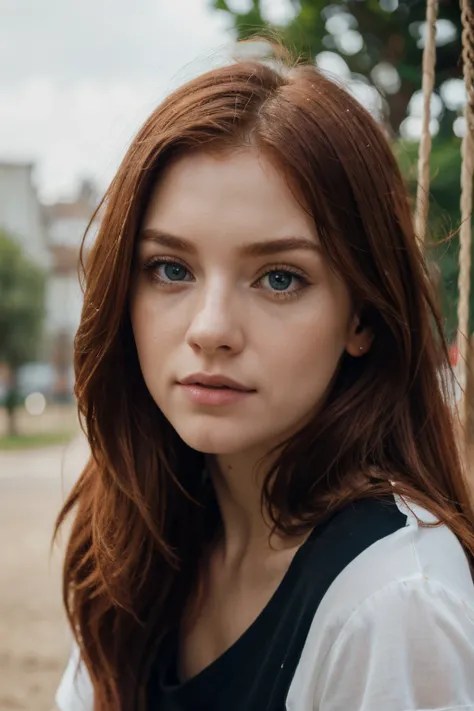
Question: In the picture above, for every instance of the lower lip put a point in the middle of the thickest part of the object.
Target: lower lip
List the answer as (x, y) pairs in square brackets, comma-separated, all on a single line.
[(215, 396)]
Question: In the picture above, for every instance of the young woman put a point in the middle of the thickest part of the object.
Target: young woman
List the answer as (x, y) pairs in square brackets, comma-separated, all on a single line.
[(274, 514)]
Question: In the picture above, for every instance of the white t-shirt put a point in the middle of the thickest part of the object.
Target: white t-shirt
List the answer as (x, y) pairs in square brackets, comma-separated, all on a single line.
[(394, 632)]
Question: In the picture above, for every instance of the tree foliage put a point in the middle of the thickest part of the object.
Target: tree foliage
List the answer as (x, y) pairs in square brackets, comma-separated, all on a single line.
[(443, 240), (22, 304), (22, 286)]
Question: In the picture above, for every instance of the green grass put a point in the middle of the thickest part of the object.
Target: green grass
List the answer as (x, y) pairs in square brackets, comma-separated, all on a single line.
[(41, 439)]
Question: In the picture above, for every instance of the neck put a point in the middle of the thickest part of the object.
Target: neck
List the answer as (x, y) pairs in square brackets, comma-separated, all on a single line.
[(238, 481)]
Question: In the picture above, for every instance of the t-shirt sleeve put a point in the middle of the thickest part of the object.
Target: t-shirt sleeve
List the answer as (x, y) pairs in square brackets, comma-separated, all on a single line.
[(75, 691), (409, 647)]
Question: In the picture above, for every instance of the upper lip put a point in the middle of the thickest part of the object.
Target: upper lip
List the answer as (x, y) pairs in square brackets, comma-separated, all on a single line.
[(213, 380)]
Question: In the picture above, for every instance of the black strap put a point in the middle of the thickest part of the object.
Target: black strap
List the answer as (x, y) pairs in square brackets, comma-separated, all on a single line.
[(348, 534)]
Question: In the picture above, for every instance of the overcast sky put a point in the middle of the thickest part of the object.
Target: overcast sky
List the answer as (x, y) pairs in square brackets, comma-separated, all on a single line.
[(78, 77)]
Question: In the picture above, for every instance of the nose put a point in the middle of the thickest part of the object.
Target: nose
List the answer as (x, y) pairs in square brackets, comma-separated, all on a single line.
[(216, 325)]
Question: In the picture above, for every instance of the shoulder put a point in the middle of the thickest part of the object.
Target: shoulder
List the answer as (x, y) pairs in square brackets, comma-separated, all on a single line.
[(420, 549), (410, 645), (396, 628), (75, 691)]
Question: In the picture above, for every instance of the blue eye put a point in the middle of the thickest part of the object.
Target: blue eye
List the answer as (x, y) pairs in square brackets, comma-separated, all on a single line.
[(174, 271), (283, 283), (280, 281), (165, 272)]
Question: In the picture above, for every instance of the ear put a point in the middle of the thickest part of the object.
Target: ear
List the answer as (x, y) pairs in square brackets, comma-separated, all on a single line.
[(360, 337)]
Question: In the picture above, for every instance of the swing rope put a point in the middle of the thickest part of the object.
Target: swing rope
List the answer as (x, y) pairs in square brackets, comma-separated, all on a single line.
[(467, 168), (467, 153), (428, 79)]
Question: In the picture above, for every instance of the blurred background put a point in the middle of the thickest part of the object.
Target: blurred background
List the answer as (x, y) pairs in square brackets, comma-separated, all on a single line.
[(76, 81)]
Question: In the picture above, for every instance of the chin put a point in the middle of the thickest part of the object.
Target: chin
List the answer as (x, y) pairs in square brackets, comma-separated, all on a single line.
[(212, 445), (215, 440)]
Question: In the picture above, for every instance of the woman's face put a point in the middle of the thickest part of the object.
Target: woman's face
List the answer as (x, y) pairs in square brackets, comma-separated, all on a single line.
[(230, 282)]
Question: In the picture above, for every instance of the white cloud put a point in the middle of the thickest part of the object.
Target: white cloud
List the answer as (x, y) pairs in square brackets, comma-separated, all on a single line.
[(83, 76)]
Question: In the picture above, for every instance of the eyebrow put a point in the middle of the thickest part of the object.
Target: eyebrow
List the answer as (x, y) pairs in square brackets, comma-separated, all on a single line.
[(255, 249)]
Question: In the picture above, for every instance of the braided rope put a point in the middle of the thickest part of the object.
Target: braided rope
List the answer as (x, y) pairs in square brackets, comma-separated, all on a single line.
[(428, 79), (467, 152)]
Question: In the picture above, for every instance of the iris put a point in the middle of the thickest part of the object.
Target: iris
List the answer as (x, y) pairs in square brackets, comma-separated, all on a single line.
[(175, 272), (280, 280)]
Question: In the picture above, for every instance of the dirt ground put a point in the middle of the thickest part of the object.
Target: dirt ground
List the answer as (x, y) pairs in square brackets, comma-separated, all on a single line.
[(34, 639)]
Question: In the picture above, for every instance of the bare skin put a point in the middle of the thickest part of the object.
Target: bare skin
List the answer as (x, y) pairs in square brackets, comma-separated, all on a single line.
[(236, 591)]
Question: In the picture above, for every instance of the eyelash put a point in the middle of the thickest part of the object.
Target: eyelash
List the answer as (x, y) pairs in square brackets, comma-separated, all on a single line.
[(155, 262)]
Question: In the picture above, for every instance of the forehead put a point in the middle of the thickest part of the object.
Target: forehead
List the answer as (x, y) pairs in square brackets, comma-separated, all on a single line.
[(239, 193)]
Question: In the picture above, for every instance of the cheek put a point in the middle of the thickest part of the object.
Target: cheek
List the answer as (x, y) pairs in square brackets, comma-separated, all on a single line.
[(150, 317), (305, 355), (150, 331)]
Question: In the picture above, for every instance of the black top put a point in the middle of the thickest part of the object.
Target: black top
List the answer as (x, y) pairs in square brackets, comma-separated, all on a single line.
[(255, 673)]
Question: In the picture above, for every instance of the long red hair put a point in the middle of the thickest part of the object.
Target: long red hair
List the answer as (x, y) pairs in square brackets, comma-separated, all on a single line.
[(141, 514)]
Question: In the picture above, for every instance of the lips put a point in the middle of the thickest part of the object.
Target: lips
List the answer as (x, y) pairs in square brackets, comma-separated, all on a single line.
[(217, 382)]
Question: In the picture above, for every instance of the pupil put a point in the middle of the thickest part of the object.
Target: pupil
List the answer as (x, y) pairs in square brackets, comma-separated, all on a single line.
[(175, 272), (280, 280)]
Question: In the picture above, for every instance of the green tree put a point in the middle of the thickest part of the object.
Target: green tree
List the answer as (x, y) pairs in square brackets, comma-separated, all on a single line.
[(22, 287), (443, 243)]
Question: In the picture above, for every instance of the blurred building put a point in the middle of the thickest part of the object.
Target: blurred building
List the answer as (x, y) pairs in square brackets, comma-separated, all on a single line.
[(20, 211), (51, 236), (66, 223)]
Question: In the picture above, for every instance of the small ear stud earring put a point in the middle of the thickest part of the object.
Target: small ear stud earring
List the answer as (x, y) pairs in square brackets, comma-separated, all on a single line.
[(361, 348)]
